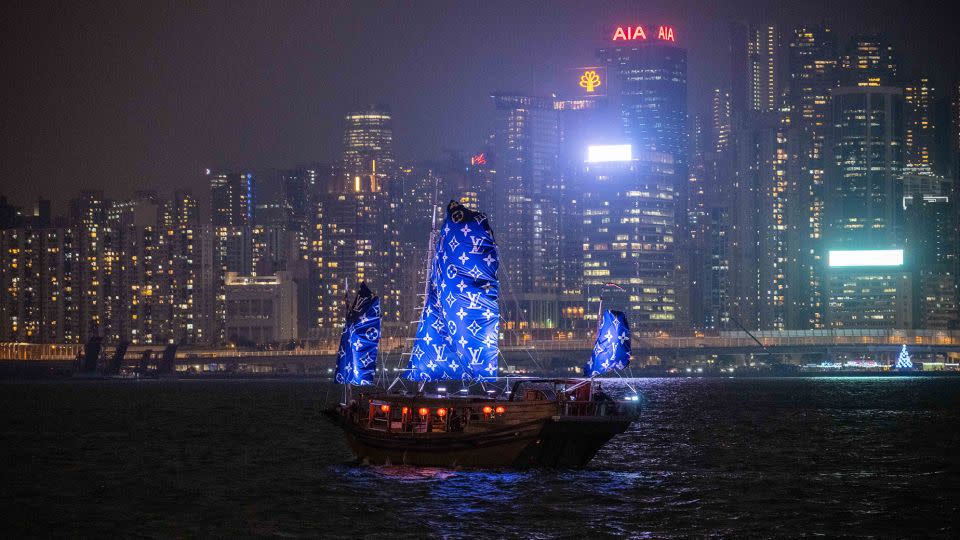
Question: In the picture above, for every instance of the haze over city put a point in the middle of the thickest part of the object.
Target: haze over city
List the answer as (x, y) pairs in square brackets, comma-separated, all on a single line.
[(123, 97), (479, 269)]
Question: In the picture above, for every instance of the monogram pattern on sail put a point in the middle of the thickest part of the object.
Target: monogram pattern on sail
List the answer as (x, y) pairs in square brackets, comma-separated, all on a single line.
[(612, 348), (458, 332), (357, 355)]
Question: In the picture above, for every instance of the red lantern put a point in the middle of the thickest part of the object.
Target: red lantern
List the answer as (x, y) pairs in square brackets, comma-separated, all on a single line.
[(404, 410), (487, 410), (424, 411), (501, 410), (385, 408), (441, 412)]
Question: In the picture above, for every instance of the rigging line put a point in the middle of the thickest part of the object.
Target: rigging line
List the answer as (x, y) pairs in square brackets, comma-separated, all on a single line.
[(627, 381), (535, 361)]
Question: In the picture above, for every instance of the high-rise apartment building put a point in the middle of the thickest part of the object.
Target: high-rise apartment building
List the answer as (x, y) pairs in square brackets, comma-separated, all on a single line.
[(93, 273), (721, 121), (359, 220), (763, 67), (231, 198), (181, 230), (37, 296), (813, 75)]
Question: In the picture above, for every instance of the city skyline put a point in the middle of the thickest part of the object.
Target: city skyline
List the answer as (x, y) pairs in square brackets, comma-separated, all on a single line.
[(612, 189), (282, 110), (480, 268)]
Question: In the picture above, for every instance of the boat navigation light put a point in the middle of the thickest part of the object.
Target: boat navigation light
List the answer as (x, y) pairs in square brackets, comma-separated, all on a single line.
[(501, 410), (385, 408), (424, 411), (487, 410), (441, 412)]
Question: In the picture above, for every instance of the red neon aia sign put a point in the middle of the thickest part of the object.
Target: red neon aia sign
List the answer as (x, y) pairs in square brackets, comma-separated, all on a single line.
[(639, 33)]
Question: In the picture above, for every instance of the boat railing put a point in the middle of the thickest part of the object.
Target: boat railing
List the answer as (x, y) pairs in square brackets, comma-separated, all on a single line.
[(591, 408)]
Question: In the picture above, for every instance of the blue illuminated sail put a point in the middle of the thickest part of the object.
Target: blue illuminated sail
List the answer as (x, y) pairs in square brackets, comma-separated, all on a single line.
[(357, 356), (458, 333), (612, 349)]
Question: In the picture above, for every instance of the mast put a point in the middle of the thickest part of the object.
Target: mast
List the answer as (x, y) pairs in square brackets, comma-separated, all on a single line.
[(430, 255)]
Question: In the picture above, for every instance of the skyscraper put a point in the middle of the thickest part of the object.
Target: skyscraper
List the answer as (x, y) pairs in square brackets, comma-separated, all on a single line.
[(368, 158), (651, 77), (763, 67), (920, 127), (360, 230), (934, 248), (863, 211), (231, 198), (628, 235), (526, 207), (709, 233), (755, 183), (93, 271), (864, 177), (721, 121), (813, 72), (813, 76), (869, 60), (181, 222)]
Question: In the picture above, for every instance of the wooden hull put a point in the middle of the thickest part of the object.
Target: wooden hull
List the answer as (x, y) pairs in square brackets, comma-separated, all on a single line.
[(571, 442), (548, 441), (494, 448)]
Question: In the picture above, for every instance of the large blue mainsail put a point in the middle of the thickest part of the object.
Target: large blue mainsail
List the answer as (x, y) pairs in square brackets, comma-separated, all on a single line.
[(458, 333), (612, 349), (357, 356)]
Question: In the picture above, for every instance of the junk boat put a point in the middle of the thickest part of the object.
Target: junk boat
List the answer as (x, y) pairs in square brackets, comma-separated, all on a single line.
[(534, 422)]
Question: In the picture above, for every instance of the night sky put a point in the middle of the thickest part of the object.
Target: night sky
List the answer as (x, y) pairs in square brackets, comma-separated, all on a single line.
[(126, 95)]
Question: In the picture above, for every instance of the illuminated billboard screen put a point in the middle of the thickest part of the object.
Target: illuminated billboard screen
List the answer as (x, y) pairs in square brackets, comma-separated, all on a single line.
[(865, 258), (601, 153)]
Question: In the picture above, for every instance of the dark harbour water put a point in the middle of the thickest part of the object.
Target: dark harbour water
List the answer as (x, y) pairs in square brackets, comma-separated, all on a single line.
[(728, 457)]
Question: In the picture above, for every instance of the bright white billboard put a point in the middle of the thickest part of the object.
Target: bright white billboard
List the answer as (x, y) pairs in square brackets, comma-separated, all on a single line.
[(600, 153), (865, 257)]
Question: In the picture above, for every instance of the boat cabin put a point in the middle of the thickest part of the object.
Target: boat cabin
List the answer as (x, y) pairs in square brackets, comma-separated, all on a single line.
[(529, 400)]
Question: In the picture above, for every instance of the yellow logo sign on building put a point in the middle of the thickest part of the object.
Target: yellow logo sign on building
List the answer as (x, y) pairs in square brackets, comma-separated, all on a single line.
[(590, 80)]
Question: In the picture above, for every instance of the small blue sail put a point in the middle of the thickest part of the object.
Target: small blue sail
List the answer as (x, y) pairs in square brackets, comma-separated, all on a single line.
[(357, 356), (458, 333), (612, 349)]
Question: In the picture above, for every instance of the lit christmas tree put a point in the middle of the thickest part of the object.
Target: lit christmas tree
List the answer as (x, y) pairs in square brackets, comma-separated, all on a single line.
[(903, 361)]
